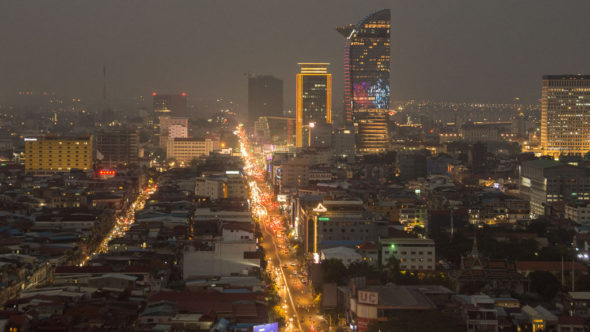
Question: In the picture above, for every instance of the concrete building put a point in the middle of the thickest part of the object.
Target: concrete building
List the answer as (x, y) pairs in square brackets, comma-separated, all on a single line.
[(216, 186), (565, 115), (235, 253), (478, 312), (578, 212), (546, 181), (58, 154), (339, 223), (117, 147), (377, 303), (172, 127), (413, 254), (344, 254), (343, 142), (183, 150)]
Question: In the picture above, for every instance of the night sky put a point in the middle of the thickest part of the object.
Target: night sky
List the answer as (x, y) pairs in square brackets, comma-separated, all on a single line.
[(451, 50)]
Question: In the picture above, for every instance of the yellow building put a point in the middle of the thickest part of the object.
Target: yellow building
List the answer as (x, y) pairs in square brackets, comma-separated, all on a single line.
[(313, 100), (565, 115), (58, 154)]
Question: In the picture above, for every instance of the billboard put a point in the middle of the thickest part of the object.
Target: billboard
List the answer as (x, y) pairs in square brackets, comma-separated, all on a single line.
[(271, 327), (368, 297)]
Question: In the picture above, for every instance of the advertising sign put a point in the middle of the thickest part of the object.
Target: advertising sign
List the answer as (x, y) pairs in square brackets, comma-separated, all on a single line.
[(368, 297), (272, 327)]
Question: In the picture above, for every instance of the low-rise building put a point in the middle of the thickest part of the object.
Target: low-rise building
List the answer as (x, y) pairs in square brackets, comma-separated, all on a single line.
[(184, 150), (413, 254)]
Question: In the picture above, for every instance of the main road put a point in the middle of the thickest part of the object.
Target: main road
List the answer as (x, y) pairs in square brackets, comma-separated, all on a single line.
[(122, 223), (289, 274)]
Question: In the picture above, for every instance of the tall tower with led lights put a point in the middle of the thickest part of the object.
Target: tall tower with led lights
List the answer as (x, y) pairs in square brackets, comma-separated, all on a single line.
[(366, 80), (313, 104)]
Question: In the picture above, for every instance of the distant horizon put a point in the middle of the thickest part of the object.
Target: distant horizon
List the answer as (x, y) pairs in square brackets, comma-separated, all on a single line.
[(458, 51)]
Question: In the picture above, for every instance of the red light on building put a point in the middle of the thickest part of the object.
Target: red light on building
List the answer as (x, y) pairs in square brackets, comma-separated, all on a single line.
[(105, 172), (154, 94), (183, 94)]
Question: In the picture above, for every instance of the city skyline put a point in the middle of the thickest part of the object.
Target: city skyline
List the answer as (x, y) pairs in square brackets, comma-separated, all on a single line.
[(452, 51)]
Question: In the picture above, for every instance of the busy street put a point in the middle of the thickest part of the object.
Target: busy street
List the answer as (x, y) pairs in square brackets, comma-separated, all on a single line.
[(289, 272), (123, 222)]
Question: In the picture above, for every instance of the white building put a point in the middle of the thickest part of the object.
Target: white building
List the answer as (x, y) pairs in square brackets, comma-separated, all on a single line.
[(344, 254), (234, 254), (177, 131), (413, 254), (183, 150), (578, 212)]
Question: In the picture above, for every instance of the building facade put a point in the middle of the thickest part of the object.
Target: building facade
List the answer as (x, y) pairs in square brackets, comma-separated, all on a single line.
[(366, 80), (265, 97), (172, 127), (58, 154), (184, 150), (544, 182), (117, 147), (313, 100), (413, 254), (565, 117)]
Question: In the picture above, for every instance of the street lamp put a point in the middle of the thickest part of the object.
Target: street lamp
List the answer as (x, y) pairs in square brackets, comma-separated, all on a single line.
[(310, 126)]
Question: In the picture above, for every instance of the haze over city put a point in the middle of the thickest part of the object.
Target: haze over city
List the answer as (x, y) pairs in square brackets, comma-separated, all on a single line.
[(294, 166), (458, 50)]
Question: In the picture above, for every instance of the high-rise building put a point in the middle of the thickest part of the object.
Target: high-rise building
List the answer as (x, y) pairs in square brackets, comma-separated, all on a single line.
[(313, 100), (117, 147), (58, 154), (366, 80), (544, 182), (265, 97), (565, 117), (172, 127), (170, 104)]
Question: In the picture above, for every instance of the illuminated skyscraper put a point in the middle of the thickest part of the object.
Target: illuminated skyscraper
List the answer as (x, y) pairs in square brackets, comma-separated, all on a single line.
[(565, 117), (366, 80), (313, 102), (170, 104), (265, 97)]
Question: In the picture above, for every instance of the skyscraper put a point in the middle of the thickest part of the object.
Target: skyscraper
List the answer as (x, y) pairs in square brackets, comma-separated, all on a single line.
[(265, 97), (565, 117), (313, 101), (170, 104), (366, 80)]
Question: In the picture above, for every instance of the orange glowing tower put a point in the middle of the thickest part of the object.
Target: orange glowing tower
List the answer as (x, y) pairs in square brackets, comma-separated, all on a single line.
[(313, 100)]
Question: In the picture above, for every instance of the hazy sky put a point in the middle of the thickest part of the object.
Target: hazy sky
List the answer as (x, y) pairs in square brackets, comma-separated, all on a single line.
[(456, 50)]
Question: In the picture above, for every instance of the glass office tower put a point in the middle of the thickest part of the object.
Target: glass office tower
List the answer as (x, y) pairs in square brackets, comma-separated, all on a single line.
[(313, 101), (366, 80)]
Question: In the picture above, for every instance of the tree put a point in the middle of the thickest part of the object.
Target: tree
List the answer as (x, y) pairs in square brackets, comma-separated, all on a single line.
[(334, 271), (544, 284), (363, 269)]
